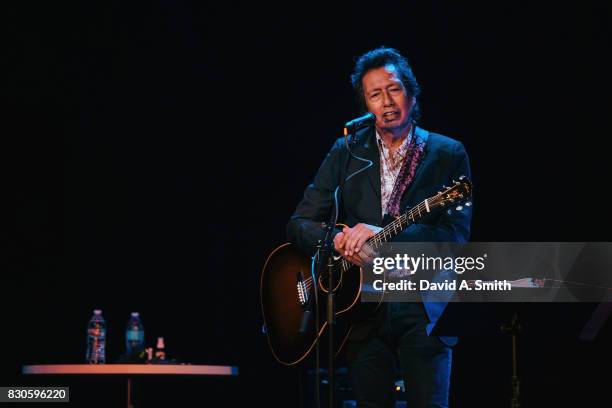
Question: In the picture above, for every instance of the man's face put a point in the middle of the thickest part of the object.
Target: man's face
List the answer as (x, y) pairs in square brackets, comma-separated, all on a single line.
[(386, 97)]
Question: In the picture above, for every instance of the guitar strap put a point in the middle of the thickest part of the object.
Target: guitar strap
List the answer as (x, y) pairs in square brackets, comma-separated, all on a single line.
[(414, 155)]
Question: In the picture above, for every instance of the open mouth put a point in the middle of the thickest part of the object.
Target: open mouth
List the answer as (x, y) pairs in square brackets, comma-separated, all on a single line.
[(390, 115)]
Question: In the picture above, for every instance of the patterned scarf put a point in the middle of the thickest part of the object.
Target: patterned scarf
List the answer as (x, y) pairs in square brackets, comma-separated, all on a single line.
[(406, 174)]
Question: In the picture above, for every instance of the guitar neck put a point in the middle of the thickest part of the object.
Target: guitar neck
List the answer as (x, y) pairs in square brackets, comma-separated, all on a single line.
[(458, 193), (408, 218)]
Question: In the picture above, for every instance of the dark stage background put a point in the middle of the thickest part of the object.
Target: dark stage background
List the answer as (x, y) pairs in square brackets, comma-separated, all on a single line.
[(154, 151)]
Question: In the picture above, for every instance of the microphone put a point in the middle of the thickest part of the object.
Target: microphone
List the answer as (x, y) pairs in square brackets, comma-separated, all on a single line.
[(363, 121)]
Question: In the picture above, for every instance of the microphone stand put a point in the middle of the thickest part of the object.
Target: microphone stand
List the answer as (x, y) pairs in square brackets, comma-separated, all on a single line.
[(514, 328), (326, 254)]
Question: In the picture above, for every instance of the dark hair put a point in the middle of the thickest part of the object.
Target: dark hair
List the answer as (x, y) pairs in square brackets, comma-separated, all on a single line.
[(381, 57)]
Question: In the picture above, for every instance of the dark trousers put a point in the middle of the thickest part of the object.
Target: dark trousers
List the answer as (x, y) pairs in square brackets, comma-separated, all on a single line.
[(399, 344)]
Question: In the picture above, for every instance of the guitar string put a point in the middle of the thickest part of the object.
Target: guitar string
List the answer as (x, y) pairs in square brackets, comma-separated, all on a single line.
[(432, 202), (387, 229), (421, 207)]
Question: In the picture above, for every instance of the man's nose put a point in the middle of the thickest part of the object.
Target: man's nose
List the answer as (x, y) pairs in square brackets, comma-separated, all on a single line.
[(387, 99)]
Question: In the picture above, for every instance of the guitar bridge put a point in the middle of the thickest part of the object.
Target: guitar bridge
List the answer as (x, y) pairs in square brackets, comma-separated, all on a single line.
[(302, 289)]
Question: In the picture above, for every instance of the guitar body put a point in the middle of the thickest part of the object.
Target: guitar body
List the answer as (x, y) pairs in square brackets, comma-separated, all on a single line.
[(291, 297), (291, 336)]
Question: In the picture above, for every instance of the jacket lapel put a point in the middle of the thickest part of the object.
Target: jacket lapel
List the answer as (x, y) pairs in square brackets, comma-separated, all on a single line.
[(371, 153), (367, 149)]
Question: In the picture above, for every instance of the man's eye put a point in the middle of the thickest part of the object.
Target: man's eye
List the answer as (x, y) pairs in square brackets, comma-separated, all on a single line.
[(395, 89), (374, 95)]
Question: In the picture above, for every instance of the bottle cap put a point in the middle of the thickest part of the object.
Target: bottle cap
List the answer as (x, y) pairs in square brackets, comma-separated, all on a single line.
[(98, 312), (160, 343), (135, 314)]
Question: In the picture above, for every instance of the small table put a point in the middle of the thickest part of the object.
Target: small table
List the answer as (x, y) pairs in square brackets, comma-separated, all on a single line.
[(130, 370)]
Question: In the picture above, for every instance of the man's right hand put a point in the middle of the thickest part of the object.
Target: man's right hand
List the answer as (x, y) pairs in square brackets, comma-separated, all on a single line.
[(351, 243)]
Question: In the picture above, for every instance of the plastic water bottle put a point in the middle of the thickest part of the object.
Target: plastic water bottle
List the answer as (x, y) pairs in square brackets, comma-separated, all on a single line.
[(134, 335), (96, 339)]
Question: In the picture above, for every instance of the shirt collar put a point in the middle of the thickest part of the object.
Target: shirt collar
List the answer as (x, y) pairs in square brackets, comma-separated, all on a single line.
[(404, 144)]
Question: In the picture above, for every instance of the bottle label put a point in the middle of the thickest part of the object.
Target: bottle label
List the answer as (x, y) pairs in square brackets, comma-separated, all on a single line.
[(96, 332), (134, 335)]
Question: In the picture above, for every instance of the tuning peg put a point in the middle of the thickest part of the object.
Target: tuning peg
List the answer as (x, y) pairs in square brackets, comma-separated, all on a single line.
[(468, 204), (459, 208)]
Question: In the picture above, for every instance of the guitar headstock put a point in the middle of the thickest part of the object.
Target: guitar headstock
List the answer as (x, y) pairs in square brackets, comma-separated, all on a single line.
[(459, 193)]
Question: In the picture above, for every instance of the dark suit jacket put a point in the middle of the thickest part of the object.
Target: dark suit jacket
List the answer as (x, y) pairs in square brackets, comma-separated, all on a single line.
[(444, 159)]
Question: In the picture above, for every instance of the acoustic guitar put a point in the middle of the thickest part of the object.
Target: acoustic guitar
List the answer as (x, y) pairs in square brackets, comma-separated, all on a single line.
[(291, 293)]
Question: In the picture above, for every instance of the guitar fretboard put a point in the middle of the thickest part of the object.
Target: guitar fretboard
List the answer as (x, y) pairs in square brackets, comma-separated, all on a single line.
[(401, 222)]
